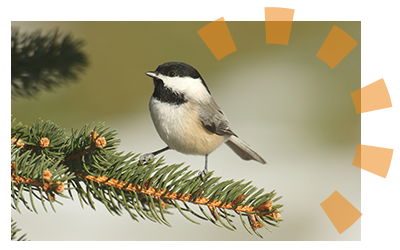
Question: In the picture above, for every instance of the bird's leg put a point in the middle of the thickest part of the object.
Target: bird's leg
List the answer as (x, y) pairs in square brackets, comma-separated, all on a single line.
[(203, 173), (145, 158)]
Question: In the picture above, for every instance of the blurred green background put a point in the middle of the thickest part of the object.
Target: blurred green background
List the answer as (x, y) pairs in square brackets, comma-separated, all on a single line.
[(291, 107)]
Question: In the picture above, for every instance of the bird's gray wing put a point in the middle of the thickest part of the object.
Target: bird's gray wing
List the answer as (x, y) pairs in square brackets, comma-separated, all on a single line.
[(213, 119)]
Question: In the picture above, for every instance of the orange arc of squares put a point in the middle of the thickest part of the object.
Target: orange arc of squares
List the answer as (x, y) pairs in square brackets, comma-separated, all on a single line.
[(340, 211), (336, 47), (373, 159), (372, 97)]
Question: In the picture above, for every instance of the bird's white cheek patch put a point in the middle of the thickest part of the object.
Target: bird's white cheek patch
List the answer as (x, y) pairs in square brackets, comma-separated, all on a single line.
[(192, 89)]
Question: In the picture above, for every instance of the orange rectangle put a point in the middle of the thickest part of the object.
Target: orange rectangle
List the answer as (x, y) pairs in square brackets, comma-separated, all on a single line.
[(218, 39), (373, 159), (278, 24), (336, 47), (371, 97), (375, 96), (340, 211)]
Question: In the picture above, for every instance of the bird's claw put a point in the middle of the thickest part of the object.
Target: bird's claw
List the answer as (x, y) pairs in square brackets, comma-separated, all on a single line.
[(145, 158), (203, 174)]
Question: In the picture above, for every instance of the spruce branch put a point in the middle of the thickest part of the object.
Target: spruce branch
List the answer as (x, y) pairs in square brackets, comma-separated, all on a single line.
[(87, 163), (43, 62)]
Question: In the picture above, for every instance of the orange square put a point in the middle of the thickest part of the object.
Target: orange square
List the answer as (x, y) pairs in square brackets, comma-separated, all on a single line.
[(340, 211)]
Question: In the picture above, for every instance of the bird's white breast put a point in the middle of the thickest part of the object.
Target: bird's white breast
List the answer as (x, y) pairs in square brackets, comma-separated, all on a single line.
[(180, 128)]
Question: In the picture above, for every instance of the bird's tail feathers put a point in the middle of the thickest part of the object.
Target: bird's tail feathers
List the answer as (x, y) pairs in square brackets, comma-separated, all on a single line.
[(243, 150)]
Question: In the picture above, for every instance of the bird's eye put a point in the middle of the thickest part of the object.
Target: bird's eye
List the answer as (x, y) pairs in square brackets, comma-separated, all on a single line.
[(172, 74)]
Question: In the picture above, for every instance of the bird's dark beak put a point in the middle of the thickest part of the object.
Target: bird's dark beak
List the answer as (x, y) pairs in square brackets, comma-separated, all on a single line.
[(152, 74)]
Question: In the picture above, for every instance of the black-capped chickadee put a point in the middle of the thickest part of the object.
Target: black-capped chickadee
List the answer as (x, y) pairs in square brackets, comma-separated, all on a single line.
[(186, 116)]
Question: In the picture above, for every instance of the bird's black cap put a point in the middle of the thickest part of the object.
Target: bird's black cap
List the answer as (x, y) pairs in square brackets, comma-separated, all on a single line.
[(178, 68), (181, 69)]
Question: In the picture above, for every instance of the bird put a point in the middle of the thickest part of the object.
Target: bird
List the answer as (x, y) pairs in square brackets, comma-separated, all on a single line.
[(187, 118)]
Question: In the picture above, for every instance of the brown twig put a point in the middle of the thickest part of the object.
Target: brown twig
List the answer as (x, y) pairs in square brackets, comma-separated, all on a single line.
[(163, 194), (47, 186)]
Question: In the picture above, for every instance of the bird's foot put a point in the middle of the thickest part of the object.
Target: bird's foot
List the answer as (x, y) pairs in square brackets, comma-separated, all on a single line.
[(202, 174), (145, 158)]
